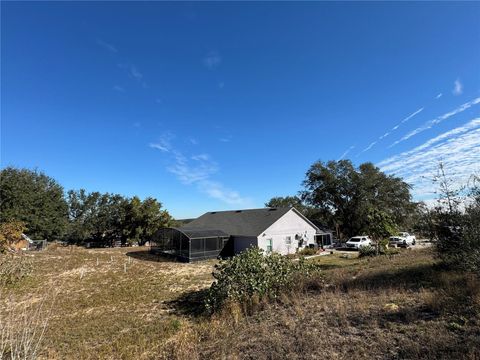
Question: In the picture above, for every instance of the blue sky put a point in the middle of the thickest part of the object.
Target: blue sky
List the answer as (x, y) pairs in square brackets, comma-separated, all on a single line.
[(224, 105)]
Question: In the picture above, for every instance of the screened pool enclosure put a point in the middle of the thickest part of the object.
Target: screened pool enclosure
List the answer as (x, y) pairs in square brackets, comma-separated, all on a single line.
[(191, 244)]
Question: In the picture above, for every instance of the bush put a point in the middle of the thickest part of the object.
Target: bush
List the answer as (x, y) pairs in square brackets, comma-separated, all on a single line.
[(459, 248), (307, 251), (252, 276), (10, 233), (383, 245), (367, 250), (383, 249)]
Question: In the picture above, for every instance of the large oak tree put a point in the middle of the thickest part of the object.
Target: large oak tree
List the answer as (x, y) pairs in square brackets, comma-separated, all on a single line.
[(357, 200)]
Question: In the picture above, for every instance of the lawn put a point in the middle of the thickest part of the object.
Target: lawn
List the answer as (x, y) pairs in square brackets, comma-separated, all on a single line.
[(105, 303), (127, 304)]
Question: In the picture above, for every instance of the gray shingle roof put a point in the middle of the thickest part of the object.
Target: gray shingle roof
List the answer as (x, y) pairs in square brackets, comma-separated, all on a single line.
[(238, 222), (193, 233)]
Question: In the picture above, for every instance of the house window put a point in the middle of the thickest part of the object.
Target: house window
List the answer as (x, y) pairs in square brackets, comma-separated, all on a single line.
[(288, 240), (269, 245)]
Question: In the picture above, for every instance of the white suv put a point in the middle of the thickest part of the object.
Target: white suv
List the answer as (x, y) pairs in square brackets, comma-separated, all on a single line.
[(403, 239), (357, 242)]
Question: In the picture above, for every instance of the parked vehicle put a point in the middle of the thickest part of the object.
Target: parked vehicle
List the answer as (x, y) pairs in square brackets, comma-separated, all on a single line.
[(403, 239), (357, 242)]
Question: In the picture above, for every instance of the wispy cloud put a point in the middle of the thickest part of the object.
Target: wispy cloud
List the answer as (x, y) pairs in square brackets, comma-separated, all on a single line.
[(163, 143), (369, 147), (197, 170), (133, 72), (345, 153), (201, 157), (189, 173), (159, 146), (439, 96), (457, 88), (119, 88), (193, 141), (438, 120), (412, 115), (218, 191), (212, 60), (372, 144), (458, 149), (225, 139), (107, 46)]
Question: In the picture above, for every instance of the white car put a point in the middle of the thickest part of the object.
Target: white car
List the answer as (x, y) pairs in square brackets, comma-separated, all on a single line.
[(402, 239), (357, 242)]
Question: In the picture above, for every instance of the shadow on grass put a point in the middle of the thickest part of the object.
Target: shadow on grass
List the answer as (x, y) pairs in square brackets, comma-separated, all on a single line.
[(191, 303), (146, 255), (421, 276)]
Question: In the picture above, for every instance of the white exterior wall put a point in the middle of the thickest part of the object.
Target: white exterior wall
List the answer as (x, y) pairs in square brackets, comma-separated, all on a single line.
[(289, 224)]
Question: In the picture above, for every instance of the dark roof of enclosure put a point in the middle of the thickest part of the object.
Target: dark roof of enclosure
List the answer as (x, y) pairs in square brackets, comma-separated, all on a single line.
[(193, 233), (240, 222)]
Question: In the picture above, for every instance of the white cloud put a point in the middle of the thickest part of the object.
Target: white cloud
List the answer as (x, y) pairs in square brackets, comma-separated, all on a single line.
[(438, 96), (164, 143), (201, 157), (159, 147), (437, 120), (225, 139), (368, 147), (345, 153), (190, 174), (457, 88), (107, 46), (387, 133), (458, 149), (411, 115), (212, 60), (391, 130), (119, 88), (197, 170), (218, 191), (133, 72)]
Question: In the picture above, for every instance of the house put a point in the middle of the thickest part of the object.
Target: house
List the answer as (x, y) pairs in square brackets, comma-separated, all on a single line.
[(226, 233), (324, 237)]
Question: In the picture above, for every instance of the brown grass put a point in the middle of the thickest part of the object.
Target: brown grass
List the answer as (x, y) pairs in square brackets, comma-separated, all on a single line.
[(401, 308), (405, 307)]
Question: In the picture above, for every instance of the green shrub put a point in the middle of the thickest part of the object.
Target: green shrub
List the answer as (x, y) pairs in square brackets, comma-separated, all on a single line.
[(367, 250), (252, 276), (383, 245)]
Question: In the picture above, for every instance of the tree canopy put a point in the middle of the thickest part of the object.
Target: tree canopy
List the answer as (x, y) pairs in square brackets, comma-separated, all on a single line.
[(106, 218), (357, 200), (34, 198), (288, 201)]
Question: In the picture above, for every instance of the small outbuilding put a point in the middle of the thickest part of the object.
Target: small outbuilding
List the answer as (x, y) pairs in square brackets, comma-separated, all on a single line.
[(226, 233)]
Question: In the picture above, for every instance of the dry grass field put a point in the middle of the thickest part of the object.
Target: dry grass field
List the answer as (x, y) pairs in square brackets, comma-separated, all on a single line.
[(127, 304)]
